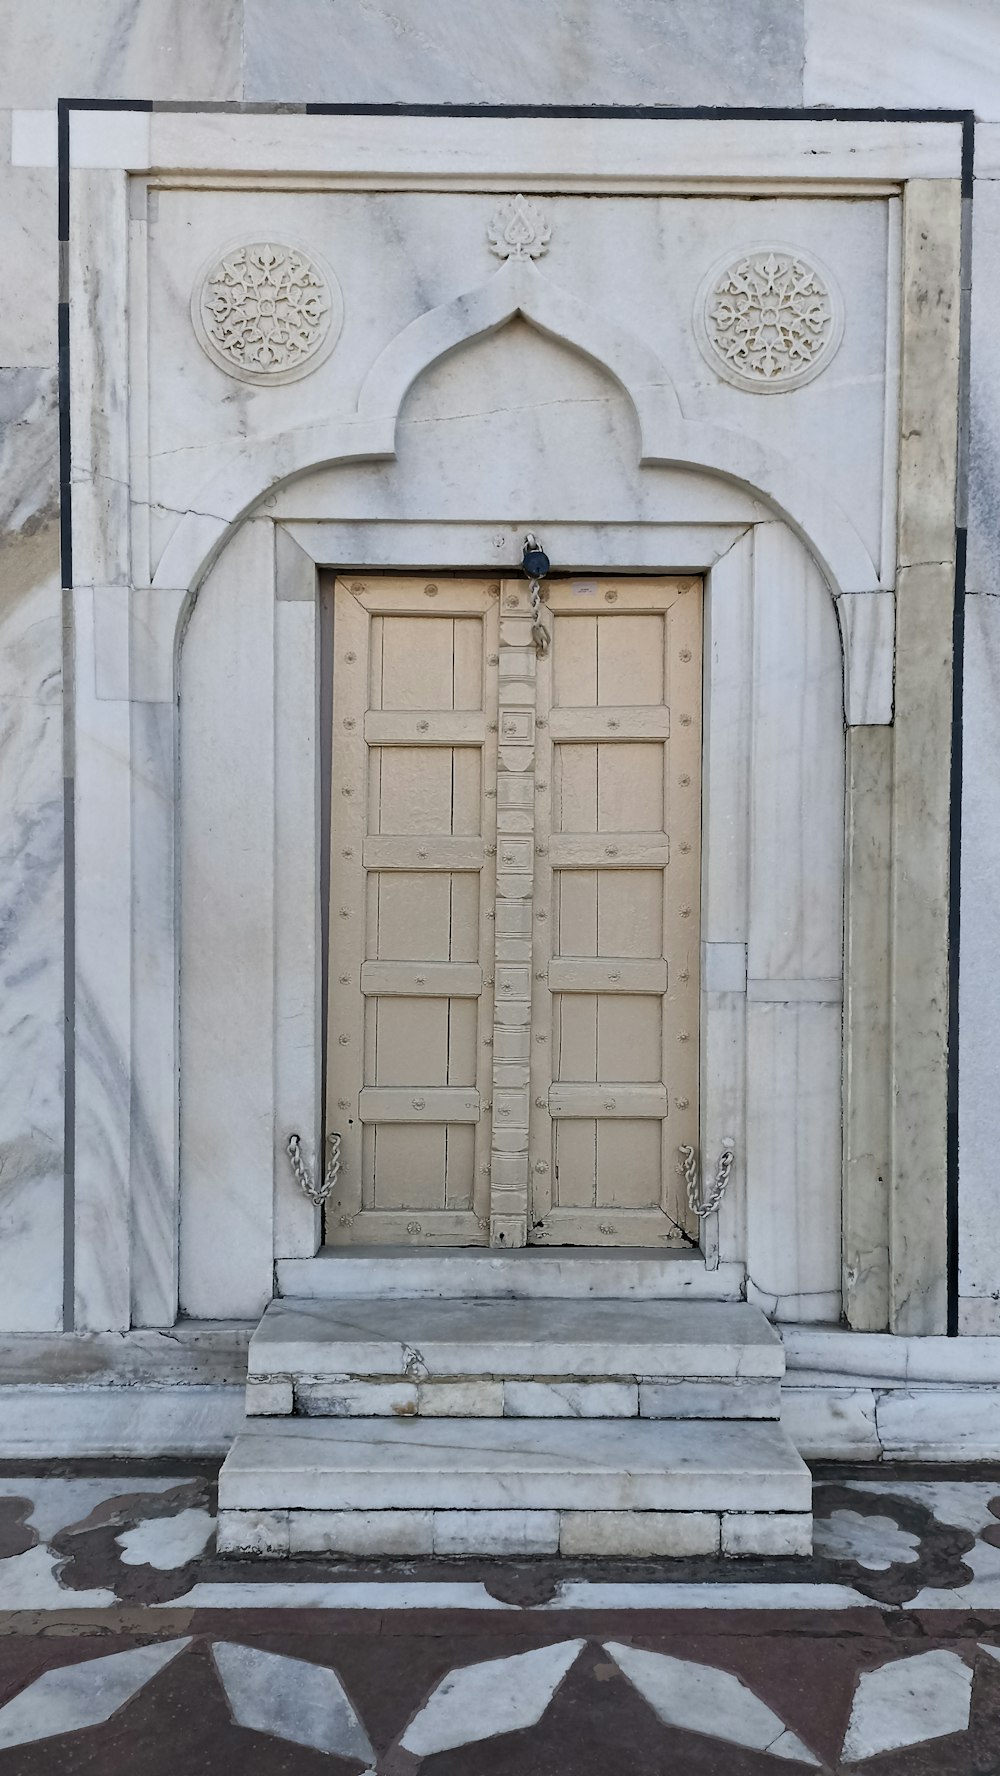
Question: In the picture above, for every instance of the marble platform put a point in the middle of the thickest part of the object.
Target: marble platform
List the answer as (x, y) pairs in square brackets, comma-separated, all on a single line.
[(514, 1425)]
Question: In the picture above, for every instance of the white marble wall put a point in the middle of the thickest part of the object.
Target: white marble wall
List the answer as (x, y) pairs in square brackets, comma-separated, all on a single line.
[(924, 53), (769, 52)]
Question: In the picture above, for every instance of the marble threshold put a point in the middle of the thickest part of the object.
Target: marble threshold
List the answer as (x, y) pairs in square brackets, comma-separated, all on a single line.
[(616, 1274)]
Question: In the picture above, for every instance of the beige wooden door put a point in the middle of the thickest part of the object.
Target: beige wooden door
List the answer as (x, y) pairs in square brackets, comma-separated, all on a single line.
[(412, 868), (614, 1073), (554, 1114)]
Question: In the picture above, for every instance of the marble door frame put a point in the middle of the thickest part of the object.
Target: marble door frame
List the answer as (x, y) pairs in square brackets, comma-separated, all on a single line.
[(783, 1227), (126, 631)]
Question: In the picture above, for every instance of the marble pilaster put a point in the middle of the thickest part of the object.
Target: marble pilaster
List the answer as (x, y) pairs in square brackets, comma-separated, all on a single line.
[(922, 753)]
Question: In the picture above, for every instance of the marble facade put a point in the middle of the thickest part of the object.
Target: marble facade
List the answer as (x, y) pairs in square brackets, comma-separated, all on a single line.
[(204, 502)]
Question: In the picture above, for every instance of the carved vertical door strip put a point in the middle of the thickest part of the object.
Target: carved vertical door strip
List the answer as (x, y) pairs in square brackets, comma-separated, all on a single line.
[(514, 882)]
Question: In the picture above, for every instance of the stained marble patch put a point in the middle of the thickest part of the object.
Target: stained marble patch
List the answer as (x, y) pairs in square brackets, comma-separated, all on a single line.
[(16, 1534)]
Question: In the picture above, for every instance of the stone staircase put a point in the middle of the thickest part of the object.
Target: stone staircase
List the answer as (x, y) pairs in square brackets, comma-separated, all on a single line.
[(513, 1421)]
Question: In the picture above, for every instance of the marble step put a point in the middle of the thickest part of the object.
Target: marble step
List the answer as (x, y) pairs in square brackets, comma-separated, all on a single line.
[(620, 1273), (515, 1359), (479, 1486)]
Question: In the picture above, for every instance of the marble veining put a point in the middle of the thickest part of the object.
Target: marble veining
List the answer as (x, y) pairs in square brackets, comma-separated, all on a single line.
[(619, 54), (31, 858)]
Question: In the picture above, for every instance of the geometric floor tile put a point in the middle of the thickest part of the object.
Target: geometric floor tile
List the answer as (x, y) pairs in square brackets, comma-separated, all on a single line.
[(290, 1699), (83, 1695), (906, 1702), (478, 1702), (705, 1700)]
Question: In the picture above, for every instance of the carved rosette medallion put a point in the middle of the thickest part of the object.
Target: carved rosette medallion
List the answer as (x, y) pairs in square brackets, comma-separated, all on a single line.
[(519, 230), (770, 319), (267, 313)]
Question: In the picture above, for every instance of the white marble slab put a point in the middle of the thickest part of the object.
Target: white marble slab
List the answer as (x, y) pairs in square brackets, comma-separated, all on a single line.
[(793, 1159), (495, 1532), (49, 1422), (405, 254), (452, 54), (28, 240), (514, 1338), (867, 628), (74, 1696), (639, 1534), (570, 1399), (943, 1424), (899, 53), (397, 1533), (227, 860), (886, 1359), (709, 1399), (979, 1101), (31, 859), (908, 1701), (501, 153), (495, 1696), (115, 49), (832, 1424), (763, 1533), (706, 1700), (492, 1464), (295, 1700)]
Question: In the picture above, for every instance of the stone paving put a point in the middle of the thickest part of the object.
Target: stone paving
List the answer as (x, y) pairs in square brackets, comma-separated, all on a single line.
[(128, 1645)]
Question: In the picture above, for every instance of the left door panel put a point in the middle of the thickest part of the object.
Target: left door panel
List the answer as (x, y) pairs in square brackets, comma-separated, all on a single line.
[(412, 881)]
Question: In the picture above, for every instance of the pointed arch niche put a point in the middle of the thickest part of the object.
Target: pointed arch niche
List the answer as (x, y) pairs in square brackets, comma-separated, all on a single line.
[(509, 432)]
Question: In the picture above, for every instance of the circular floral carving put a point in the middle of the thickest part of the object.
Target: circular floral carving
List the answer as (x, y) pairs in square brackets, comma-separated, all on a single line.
[(770, 319), (267, 313)]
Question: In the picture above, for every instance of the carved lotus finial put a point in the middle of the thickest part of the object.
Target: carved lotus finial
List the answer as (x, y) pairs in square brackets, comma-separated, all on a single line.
[(518, 230)]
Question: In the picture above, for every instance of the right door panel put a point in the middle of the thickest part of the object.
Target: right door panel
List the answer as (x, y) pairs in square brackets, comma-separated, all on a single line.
[(614, 1074)]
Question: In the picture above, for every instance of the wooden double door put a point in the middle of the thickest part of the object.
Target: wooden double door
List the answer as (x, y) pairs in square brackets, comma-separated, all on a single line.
[(512, 1046)]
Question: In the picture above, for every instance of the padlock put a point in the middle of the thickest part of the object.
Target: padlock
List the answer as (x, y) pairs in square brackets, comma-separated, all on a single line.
[(534, 561)]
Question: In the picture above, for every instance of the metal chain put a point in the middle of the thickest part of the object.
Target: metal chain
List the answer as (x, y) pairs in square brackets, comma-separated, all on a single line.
[(690, 1171), (317, 1193), (539, 634)]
